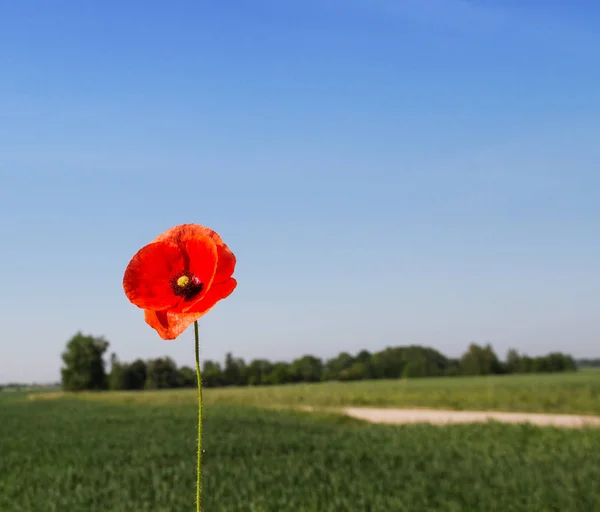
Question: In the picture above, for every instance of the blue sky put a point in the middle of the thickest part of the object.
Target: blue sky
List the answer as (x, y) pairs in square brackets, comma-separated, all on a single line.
[(387, 172)]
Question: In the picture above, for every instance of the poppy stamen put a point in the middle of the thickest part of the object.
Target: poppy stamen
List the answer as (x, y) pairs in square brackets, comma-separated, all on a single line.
[(185, 284), (183, 281)]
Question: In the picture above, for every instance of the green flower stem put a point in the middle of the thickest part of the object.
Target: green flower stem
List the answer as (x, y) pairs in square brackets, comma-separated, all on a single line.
[(199, 381)]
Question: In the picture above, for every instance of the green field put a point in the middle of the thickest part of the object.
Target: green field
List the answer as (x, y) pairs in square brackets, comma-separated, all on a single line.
[(553, 393), (136, 451), (74, 455)]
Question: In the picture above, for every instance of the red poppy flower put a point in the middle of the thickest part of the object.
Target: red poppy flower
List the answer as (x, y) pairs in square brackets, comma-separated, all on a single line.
[(179, 277)]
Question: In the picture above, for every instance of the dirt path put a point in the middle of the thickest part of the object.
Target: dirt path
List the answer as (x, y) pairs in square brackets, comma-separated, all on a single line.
[(441, 417)]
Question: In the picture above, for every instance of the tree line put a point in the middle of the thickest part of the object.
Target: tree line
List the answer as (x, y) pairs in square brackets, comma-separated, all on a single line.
[(85, 368), (589, 363)]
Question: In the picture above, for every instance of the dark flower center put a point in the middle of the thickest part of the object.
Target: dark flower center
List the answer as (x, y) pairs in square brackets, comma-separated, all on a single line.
[(185, 284)]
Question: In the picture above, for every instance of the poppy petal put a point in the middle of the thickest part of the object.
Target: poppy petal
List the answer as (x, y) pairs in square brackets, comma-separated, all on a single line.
[(147, 277), (202, 254), (214, 294), (225, 264), (169, 325), (184, 232)]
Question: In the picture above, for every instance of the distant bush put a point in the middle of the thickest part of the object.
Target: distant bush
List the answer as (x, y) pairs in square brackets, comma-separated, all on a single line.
[(407, 362), (84, 367)]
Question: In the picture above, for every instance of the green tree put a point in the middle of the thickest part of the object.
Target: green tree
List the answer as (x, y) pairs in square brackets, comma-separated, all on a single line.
[(390, 362), (418, 367), (84, 367), (258, 369), (307, 369), (540, 365), (452, 368), (357, 371), (513, 361), (135, 375), (335, 366), (162, 374), (363, 368), (235, 372), (279, 373), (187, 377), (212, 374), (116, 377), (526, 364), (480, 361), (559, 362)]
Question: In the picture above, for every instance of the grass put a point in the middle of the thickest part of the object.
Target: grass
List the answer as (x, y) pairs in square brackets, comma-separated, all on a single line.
[(576, 393), (68, 454)]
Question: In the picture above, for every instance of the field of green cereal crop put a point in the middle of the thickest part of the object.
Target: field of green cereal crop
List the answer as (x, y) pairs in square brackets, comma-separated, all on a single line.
[(568, 393), (81, 455)]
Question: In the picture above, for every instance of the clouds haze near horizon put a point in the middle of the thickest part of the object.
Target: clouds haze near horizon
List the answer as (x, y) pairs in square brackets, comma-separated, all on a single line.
[(387, 173)]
